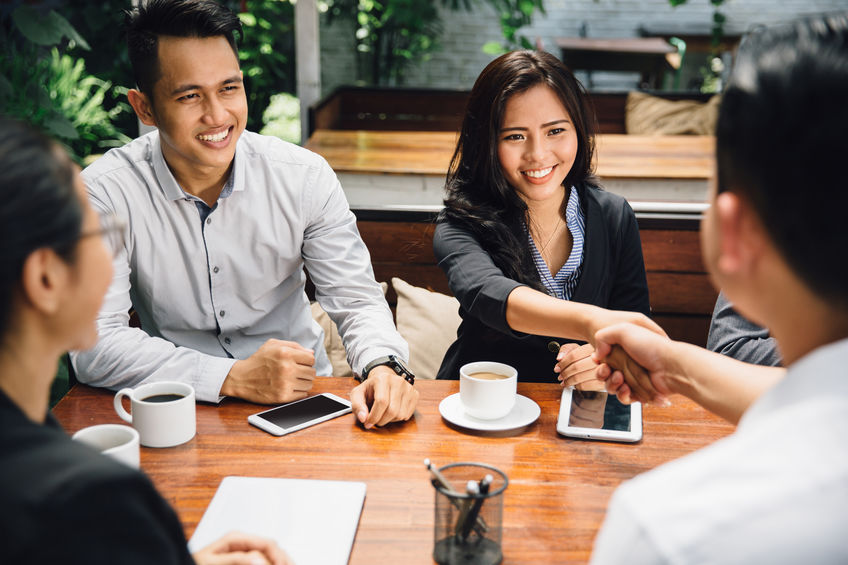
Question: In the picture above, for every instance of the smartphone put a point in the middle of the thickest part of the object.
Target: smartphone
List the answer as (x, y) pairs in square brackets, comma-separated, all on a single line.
[(598, 415), (300, 414)]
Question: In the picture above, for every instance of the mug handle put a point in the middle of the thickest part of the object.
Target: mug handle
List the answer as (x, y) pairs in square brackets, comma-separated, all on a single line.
[(119, 407)]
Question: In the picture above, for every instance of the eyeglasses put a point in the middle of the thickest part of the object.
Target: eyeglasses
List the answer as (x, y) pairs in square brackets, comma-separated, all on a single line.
[(112, 230)]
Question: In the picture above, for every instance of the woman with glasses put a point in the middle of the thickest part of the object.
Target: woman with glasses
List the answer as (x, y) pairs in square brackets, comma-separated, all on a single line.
[(61, 501)]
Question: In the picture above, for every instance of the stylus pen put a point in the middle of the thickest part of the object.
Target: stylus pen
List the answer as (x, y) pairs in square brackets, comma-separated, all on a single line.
[(472, 489), (452, 495), (474, 513)]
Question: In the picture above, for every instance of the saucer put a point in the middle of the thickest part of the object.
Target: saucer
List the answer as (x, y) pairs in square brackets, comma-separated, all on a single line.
[(524, 413)]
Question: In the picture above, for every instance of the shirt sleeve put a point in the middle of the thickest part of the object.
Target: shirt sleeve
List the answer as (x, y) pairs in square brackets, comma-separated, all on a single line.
[(734, 336), (480, 286), (127, 357), (339, 266), (621, 538)]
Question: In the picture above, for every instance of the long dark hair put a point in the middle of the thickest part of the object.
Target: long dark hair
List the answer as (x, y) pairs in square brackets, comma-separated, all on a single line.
[(479, 197), (40, 207)]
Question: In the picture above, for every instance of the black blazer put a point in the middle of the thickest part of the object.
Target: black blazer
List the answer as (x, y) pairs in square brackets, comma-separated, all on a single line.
[(63, 502), (612, 276)]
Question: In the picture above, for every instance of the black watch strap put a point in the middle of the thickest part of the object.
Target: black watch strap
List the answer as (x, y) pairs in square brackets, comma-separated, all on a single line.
[(392, 361)]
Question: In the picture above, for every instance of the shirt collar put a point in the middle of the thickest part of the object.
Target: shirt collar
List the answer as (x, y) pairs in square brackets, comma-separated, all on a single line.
[(172, 188), (820, 372)]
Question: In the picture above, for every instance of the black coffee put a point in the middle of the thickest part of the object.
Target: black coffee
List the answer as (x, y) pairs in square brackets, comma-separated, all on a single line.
[(163, 398)]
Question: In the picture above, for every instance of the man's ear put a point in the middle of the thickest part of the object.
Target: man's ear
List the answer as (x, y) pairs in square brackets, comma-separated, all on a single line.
[(142, 106), (740, 232), (43, 279)]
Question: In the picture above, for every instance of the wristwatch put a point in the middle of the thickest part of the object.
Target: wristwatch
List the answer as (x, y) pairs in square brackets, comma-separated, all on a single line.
[(394, 362)]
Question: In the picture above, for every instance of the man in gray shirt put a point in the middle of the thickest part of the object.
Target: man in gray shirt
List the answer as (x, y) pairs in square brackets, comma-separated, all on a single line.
[(221, 223), (733, 335)]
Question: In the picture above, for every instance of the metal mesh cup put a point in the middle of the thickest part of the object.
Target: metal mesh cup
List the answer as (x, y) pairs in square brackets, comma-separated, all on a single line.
[(468, 524)]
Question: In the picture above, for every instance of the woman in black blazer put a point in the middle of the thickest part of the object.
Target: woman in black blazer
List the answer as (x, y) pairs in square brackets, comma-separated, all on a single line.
[(537, 254)]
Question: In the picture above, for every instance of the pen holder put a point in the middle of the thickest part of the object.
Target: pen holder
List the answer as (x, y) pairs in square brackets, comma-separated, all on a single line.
[(468, 525)]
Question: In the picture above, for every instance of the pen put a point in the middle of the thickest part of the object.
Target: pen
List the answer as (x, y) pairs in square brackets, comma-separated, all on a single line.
[(474, 513), (472, 489), (453, 496)]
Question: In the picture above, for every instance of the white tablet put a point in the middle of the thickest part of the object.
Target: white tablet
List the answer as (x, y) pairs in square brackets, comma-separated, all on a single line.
[(598, 415)]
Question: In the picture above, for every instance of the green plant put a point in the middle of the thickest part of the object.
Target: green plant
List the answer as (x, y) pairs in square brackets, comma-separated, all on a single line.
[(711, 73), (390, 35), (50, 89), (282, 118), (513, 14)]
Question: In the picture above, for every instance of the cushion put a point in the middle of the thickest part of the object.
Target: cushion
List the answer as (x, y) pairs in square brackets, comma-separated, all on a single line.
[(333, 341), (650, 115), (428, 322)]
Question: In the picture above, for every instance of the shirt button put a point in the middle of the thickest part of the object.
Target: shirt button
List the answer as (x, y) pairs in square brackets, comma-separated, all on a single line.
[(215, 269), (553, 347), (227, 340), (222, 313), (208, 221)]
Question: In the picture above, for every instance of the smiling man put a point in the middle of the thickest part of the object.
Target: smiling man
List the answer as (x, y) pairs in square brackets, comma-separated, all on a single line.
[(221, 223)]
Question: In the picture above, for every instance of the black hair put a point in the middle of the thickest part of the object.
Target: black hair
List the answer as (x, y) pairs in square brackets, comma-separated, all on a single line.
[(479, 197), (40, 208), (176, 18), (781, 144)]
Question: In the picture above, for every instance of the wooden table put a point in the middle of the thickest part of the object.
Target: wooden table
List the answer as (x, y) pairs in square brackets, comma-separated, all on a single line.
[(408, 167), (645, 55), (553, 507)]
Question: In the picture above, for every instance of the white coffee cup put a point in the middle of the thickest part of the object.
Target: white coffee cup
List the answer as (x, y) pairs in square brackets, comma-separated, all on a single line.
[(162, 412), (115, 440), (487, 398)]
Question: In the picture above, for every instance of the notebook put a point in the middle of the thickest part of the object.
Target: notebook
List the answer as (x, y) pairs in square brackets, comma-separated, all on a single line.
[(313, 521)]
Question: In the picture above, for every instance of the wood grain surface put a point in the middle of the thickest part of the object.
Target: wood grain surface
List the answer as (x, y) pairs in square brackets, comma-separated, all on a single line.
[(429, 152), (558, 487)]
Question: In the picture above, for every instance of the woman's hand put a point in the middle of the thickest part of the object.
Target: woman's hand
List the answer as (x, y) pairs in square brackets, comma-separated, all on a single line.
[(237, 548), (577, 368)]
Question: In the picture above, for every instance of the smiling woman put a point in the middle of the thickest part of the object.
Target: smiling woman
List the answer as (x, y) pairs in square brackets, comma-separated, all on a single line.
[(533, 248)]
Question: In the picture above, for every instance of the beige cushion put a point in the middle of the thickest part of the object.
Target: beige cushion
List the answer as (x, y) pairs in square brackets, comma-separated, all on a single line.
[(427, 321), (333, 341), (650, 115)]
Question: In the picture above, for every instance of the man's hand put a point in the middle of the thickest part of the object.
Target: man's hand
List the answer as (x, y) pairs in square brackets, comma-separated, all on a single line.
[(638, 363), (389, 396), (279, 371), (601, 318), (236, 548), (577, 368)]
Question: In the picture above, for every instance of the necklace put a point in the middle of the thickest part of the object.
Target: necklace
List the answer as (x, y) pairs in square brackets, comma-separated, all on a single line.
[(550, 238)]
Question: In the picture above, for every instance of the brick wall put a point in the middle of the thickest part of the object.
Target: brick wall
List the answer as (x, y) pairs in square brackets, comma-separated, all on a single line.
[(461, 58)]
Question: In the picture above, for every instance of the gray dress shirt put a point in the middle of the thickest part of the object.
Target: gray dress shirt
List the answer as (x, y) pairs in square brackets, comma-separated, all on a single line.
[(209, 293), (734, 336)]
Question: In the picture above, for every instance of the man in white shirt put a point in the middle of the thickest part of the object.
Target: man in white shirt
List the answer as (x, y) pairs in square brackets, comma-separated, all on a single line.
[(774, 240), (221, 223)]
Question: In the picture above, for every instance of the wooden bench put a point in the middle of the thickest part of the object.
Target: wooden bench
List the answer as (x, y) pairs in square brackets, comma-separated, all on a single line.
[(424, 109), (682, 298)]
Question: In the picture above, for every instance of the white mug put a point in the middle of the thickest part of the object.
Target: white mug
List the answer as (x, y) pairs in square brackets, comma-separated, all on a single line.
[(162, 412), (487, 398), (115, 440)]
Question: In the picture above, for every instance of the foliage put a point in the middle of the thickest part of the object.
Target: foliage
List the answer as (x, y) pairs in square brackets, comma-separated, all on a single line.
[(50, 89), (266, 53), (282, 118), (392, 34), (514, 14), (712, 72)]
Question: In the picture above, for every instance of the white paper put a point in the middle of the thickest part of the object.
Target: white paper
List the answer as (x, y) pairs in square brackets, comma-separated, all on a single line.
[(314, 521)]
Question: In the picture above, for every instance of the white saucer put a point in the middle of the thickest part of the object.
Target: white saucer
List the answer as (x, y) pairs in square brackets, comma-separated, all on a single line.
[(524, 413)]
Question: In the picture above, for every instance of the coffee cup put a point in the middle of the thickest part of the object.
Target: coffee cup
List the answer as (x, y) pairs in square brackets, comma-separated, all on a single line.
[(487, 389), (115, 440), (161, 412)]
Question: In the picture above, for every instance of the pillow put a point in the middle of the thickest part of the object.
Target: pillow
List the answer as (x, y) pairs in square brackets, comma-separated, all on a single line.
[(428, 322), (649, 115), (333, 341)]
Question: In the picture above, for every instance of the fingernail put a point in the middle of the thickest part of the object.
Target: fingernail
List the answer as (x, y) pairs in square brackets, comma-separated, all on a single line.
[(362, 415), (662, 401), (559, 357), (557, 369)]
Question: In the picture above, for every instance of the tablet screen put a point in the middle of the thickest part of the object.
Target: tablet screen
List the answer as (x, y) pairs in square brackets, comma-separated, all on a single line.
[(598, 410)]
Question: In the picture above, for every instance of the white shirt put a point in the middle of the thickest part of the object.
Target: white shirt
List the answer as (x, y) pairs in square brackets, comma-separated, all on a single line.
[(208, 294), (775, 491)]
